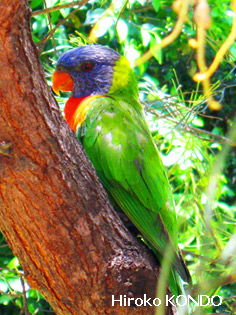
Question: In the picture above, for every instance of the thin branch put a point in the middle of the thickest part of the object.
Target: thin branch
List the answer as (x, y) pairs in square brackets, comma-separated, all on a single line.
[(203, 20), (119, 15), (230, 298), (221, 140), (4, 245), (194, 130), (43, 42), (50, 24), (25, 302), (57, 8), (221, 52), (208, 285), (14, 295), (13, 270), (203, 258)]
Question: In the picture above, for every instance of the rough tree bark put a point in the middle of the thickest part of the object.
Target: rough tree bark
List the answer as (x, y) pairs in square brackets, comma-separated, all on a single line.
[(53, 211)]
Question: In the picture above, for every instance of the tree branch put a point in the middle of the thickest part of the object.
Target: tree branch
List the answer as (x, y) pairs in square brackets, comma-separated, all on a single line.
[(43, 41), (53, 211), (59, 7)]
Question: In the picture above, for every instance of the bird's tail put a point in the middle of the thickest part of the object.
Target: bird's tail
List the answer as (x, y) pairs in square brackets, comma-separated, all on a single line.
[(175, 274), (181, 268), (179, 290)]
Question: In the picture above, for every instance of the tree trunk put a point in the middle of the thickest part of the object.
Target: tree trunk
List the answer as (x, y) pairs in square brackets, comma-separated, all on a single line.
[(53, 211)]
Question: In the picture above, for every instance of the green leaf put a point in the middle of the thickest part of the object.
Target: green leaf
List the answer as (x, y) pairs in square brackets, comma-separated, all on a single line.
[(232, 53), (3, 286), (14, 263), (156, 5), (15, 284), (4, 299), (93, 16), (197, 121), (146, 37), (131, 53), (35, 3), (156, 51), (122, 30), (103, 25)]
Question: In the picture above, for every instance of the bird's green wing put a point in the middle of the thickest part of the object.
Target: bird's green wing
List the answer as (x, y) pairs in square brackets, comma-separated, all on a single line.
[(117, 140)]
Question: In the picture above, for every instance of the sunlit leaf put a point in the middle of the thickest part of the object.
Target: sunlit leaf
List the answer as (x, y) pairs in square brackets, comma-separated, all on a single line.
[(102, 26), (156, 51), (93, 16), (122, 30), (156, 4), (35, 3), (14, 263)]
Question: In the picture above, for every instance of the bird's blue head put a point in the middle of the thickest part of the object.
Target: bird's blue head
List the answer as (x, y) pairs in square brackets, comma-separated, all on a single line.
[(86, 70)]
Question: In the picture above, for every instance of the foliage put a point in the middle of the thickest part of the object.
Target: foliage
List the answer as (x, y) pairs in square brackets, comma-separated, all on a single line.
[(192, 139)]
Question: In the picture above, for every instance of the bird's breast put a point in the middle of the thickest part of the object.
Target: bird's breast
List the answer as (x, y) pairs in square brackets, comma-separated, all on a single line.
[(76, 109)]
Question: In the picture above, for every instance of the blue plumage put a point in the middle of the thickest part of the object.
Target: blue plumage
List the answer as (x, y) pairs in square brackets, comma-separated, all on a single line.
[(97, 65)]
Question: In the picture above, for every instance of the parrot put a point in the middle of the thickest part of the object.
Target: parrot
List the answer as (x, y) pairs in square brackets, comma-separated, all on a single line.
[(107, 118)]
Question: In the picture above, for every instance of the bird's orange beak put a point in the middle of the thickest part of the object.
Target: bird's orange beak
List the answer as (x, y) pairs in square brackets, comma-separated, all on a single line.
[(61, 81)]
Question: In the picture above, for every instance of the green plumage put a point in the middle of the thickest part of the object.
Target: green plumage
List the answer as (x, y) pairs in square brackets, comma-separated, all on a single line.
[(116, 138)]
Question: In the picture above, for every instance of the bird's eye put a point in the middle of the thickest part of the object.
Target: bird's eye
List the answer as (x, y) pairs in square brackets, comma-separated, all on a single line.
[(60, 68), (87, 66)]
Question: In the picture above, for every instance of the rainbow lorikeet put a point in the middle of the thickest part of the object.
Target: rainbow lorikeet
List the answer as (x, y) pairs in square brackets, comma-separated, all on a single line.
[(107, 118)]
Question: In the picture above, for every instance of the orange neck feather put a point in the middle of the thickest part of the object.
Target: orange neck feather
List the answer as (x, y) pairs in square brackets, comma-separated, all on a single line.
[(76, 109), (70, 108)]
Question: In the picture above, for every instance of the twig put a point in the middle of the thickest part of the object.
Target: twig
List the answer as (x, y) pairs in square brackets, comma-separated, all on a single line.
[(195, 130), (14, 295), (4, 245), (221, 52), (202, 131), (119, 15), (204, 258), (56, 8), (230, 298), (43, 42), (25, 302), (203, 21), (211, 284), (13, 270), (142, 9), (44, 311), (50, 24)]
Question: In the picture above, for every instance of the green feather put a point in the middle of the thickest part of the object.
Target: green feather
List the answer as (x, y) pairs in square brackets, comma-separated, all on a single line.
[(117, 140)]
